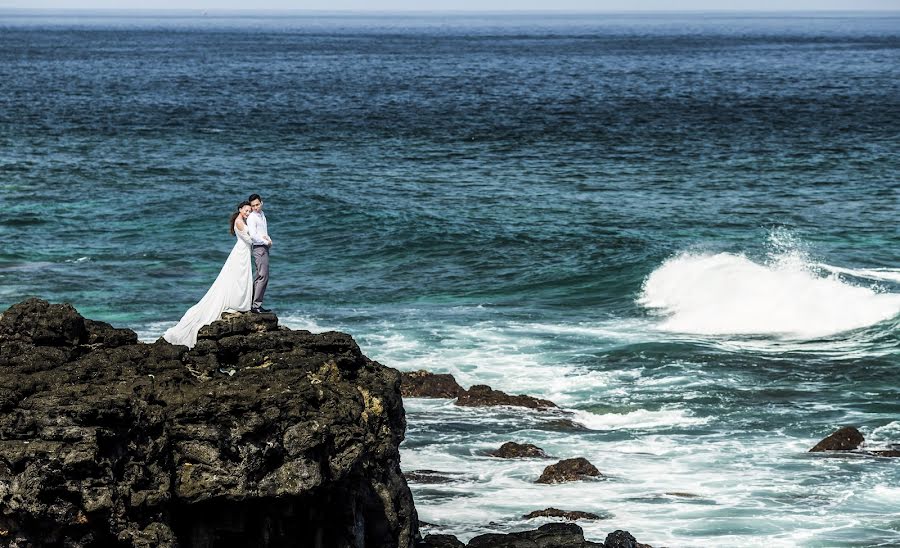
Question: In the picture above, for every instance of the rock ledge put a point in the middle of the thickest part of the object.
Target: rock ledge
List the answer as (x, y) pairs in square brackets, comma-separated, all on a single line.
[(111, 442)]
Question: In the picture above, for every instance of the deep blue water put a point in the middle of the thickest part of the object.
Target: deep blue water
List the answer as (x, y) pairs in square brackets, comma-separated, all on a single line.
[(681, 228)]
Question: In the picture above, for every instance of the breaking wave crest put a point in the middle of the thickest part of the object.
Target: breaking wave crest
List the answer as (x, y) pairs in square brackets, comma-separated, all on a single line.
[(787, 296)]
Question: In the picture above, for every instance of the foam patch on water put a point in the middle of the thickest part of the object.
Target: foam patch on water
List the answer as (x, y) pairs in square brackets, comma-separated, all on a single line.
[(730, 294), (658, 486), (887, 434), (623, 331), (504, 356), (305, 323), (640, 419), (152, 331), (508, 357), (880, 274), (888, 494)]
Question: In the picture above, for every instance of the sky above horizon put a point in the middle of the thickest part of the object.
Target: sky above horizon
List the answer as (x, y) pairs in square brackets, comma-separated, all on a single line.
[(464, 5)]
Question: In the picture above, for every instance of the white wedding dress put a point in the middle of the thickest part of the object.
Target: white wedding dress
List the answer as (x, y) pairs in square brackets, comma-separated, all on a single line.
[(232, 290)]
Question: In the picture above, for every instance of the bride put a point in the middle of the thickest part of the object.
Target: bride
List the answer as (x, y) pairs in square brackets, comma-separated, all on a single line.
[(232, 290)]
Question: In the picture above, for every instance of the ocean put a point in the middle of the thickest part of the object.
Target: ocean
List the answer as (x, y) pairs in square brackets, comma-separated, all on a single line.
[(681, 228)]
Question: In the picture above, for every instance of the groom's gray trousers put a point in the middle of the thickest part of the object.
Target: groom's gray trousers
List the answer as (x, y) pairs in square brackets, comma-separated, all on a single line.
[(261, 258)]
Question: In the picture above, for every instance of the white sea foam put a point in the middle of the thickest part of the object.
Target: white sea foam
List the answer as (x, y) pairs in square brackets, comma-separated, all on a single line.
[(507, 357), (640, 419), (880, 274), (154, 330), (623, 331), (889, 433), (730, 294), (656, 485), (887, 494), (302, 322)]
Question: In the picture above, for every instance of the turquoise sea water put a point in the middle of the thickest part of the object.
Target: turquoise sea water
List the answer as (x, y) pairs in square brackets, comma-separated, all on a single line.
[(680, 228)]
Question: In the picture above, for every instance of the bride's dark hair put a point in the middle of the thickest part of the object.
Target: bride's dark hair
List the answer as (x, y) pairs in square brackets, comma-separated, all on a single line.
[(235, 216)]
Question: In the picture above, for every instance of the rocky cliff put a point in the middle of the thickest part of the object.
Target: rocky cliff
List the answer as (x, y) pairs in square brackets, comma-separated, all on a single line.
[(258, 436)]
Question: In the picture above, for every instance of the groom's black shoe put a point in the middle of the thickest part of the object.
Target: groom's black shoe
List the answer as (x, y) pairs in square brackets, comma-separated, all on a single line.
[(261, 309), (256, 310)]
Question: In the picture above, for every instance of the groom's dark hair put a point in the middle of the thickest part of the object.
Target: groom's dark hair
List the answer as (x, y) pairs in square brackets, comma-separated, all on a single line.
[(254, 197)]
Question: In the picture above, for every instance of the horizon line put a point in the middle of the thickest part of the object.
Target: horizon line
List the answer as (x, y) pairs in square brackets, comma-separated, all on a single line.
[(432, 11)]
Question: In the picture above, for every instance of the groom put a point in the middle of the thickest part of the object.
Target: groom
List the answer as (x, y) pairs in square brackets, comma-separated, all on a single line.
[(259, 232)]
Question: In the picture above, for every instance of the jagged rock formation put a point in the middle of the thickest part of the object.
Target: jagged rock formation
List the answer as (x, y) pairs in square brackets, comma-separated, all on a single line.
[(442, 541), (513, 450), (105, 441), (569, 470), (572, 515), (842, 439), (551, 535), (848, 438), (622, 539), (482, 395), (423, 384), (432, 477)]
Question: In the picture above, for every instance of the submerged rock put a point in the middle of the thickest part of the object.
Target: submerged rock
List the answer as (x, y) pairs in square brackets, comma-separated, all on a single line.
[(430, 477), (557, 513), (563, 425), (422, 384), (513, 450), (482, 395), (568, 470), (843, 439), (110, 442), (551, 535)]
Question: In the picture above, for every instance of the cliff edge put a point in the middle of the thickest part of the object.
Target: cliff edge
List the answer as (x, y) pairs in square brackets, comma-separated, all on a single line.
[(258, 436)]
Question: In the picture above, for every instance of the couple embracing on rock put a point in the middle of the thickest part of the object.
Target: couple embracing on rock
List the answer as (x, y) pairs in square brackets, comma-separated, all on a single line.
[(235, 288)]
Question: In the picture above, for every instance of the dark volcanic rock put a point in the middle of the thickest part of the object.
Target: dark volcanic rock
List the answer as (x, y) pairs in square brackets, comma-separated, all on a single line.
[(887, 453), (442, 541), (622, 539), (482, 395), (103, 334), (568, 470), (557, 513), (238, 323), (551, 535), (428, 476), (563, 425), (38, 322), (422, 384), (513, 450), (109, 442), (843, 439)]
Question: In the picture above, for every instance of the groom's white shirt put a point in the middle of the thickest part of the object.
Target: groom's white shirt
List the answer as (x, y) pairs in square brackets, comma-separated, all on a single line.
[(259, 230)]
